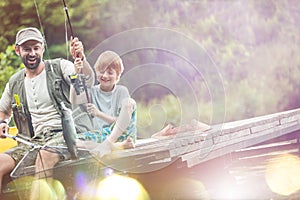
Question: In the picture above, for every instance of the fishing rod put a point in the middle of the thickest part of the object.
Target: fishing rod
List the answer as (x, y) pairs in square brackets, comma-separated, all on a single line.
[(78, 80), (18, 139), (68, 18)]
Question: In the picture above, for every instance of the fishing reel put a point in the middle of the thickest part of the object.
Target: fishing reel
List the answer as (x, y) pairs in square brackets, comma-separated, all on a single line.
[(78, 82)]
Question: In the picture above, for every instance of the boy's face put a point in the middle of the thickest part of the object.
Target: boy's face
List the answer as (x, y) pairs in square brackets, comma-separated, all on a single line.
[(107, 78)]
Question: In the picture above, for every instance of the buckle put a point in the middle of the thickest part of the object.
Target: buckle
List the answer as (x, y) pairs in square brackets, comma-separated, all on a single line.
[(51, 130), (46, 130)]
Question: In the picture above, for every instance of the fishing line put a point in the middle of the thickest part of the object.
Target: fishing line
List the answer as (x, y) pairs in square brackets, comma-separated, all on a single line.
[(41, 28), (66, 38), (46, 148), (67, 20), (48, 54)]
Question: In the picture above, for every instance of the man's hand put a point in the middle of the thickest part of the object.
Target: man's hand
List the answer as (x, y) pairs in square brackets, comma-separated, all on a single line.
[(78, 64), (3, 129), (76, 48)]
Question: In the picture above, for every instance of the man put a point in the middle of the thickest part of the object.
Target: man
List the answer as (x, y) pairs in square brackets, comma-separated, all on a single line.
[(34, 95)]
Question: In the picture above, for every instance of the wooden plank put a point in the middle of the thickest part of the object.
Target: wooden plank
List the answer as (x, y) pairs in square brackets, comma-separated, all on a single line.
[(180, 150), (289, 136), (289, 113), (196, 146), (244, 139), (265, 126), (201, 137), (145, 141), (248, 123), (294, 118), (266, 148), (231, 136), (217, 150), (160, 146), (256, 121), (191, 143), (286, 125), (196, 135), (189, 148)]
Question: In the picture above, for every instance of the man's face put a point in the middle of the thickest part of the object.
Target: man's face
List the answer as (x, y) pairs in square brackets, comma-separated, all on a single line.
[(31, 53)]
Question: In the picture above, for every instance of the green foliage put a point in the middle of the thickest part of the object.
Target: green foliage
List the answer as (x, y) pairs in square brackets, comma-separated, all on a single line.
[(254, 45), (156, 114), (9, 64)]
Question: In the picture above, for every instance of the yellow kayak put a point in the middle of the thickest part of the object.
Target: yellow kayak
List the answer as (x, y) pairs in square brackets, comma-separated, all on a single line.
[(8, 143)]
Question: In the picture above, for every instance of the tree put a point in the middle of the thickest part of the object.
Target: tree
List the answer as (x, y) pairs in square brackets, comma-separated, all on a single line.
[(9, 64), (254, 44)]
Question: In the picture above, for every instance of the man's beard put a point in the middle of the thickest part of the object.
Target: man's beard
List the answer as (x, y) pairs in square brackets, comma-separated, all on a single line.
[(31, 66)]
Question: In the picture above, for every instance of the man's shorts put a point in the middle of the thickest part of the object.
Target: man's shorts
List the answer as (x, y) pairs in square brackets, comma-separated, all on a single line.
[(47, 140)]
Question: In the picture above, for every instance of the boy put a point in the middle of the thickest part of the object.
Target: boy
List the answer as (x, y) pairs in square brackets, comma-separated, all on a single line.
[(113, 111)]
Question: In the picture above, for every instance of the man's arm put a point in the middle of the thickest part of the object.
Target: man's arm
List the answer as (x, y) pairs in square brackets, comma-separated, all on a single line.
[(5, 111), (89, 73), (77, 51), (74, 97)]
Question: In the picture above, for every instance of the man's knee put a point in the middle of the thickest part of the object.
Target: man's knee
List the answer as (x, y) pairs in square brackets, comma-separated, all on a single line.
[(46, 159), (7, 164)]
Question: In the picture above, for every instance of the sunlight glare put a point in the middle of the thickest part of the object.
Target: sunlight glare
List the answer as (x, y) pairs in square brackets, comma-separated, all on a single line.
[(117, 187), (283, 174)]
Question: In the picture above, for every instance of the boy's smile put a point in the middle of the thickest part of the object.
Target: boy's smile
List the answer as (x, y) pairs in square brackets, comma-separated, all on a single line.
[(107, 78)]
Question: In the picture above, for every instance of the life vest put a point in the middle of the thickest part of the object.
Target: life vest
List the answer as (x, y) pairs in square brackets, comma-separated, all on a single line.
[(58, 88)]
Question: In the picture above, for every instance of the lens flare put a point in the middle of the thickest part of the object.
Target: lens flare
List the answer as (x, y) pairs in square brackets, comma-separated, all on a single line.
[(171, 70), (47, 189), (80, 181), (186, 188), (283, 174), (116, 187), (30, 187)]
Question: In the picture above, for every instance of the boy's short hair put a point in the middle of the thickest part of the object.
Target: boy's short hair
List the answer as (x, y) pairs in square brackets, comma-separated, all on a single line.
[(110, 59)]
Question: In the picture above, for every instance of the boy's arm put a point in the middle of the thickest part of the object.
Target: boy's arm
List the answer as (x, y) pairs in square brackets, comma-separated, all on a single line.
[(94, 111)]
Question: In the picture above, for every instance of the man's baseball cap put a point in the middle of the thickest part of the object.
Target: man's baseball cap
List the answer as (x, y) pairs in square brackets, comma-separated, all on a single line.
[(27, 34)]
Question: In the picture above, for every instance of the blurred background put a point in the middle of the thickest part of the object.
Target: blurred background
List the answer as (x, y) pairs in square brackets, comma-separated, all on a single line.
[(252, 46)]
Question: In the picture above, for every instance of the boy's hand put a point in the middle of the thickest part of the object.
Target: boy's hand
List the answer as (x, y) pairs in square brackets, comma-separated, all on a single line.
[(92, 110)]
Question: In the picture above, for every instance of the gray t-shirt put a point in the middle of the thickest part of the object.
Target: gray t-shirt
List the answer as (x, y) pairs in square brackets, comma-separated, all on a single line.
[(107, 102)]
